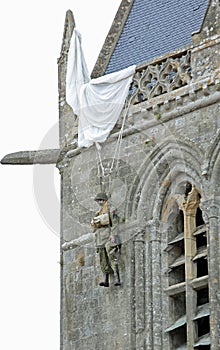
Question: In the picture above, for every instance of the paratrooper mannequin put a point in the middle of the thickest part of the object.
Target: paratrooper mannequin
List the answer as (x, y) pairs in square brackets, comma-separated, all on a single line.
[(105, 225)]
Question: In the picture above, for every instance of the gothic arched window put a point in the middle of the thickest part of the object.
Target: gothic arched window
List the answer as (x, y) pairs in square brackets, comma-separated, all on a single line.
[(187, 275)]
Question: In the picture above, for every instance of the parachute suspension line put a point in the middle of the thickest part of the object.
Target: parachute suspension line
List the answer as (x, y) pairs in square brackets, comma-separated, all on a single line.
[(108, 172), (100, 167), (119, 141)]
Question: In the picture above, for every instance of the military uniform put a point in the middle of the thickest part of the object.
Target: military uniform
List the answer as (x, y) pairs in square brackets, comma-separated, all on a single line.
[(105, 225)]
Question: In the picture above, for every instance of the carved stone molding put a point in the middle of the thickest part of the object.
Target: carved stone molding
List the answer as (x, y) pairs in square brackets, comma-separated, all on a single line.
[(152, 228), (191, 203), (211, 208), (161, 77)]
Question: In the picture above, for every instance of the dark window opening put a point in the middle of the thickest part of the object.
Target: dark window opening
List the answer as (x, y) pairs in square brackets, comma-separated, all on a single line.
[(177, 275), (199, 218), (188, 188), (202, 267), (203, 347), (201, 240), (176, 240), (203, 326), (178, 306), (178, 337), (140, 97), (180, 222), (202, 296), (181, 247), (176, 251)]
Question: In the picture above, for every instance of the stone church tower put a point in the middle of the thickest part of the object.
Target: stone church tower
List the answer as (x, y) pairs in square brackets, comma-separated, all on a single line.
[(164, 184)]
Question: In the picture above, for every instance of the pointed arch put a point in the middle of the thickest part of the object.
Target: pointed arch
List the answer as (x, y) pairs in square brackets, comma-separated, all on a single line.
[(171, 161), (212, 163)]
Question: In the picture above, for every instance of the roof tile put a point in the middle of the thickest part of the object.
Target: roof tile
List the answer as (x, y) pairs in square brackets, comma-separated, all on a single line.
[(155, 27)]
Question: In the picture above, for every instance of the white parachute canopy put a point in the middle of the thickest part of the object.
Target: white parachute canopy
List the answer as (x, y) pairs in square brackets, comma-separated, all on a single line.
[(97, 102)]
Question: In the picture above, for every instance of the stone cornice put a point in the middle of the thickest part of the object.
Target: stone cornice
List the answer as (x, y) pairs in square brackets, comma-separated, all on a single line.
[(206, 43), (171, 105)]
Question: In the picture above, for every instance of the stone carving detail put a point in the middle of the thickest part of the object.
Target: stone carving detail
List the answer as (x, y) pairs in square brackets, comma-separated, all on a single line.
[(161, 77)]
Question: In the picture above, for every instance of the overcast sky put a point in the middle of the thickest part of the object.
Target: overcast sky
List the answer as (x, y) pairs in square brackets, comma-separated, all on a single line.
[(31, 34)]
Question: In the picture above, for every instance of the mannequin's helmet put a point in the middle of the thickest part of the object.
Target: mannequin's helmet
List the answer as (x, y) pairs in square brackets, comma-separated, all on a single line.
[(102, 196)]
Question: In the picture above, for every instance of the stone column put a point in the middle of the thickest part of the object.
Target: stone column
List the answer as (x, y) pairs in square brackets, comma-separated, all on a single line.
[(211, 209), (154, 262), (148, 290), (189, 207), (139, 291)]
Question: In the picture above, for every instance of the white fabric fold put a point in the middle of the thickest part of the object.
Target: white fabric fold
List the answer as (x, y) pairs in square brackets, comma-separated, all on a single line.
[(77, 72), (97, 102)]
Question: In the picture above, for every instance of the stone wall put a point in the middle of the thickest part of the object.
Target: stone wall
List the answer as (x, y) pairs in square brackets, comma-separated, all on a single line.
[(171, 136)]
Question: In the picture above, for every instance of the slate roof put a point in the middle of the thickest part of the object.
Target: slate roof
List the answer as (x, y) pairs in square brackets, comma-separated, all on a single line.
[(156, 27)]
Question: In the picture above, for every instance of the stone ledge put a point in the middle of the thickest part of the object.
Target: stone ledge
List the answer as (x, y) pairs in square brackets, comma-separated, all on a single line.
[(32, 157)]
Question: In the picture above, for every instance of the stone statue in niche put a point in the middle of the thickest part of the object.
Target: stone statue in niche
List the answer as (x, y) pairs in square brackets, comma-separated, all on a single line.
[(105, 227)]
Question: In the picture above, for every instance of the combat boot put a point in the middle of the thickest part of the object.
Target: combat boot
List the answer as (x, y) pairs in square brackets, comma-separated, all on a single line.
[(105, 283), (117, 278)]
